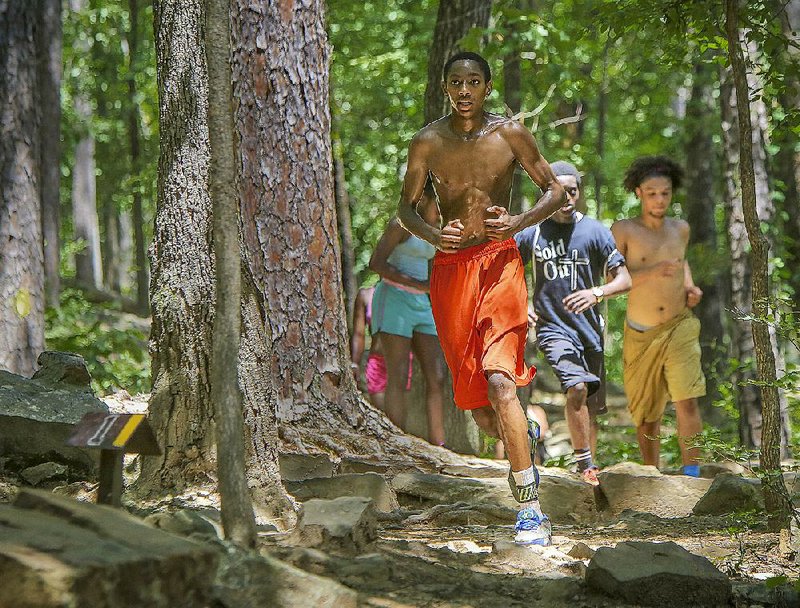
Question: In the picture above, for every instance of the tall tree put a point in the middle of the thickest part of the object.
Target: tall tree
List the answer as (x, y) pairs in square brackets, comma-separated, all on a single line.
[(142, 271), (701, 177), (237, 509), (455, 19), (48, 40), (182, 291), (775, 494), (86, 225), (21, 253)]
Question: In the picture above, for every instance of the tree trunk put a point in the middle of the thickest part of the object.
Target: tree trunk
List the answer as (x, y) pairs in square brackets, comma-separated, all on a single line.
[(701, 198), (453, 22), (602, 119), (775, 494), (347, 262), (237, 509), (49, 36), (742, 343), (512, 94), (281, 59), (142, 274), (21, 252)]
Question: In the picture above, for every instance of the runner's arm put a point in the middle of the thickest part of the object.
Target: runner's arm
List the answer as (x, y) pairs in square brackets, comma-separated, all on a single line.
[(379, 262)]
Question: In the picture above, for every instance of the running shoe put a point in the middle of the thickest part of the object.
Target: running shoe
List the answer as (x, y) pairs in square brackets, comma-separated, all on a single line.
[(531, 529), (590, 476)]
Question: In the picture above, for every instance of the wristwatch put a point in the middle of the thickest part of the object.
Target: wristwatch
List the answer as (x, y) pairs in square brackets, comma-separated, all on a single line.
[(597, 292)]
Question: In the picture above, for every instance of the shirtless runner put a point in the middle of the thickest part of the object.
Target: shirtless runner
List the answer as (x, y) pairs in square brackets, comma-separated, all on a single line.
[(477, 285), (661, 348)]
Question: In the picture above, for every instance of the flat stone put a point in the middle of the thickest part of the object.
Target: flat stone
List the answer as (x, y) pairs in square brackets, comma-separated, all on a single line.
[(728, 494), (58, 368), (710, 470), (58, 552), (563, 499), (43, 472), (246, 580), (370, 485), (643, 488), (657, 574), (581, 551), (520, 557), (296, 467), (482, 468), (185, 522), (464, 514), (347, 524)]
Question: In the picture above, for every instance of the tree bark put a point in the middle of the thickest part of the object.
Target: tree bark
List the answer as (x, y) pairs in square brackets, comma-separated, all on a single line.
[(21, 251), (237, 509), (454, 20), (49, 36), (701, 198), (775, 494), (344, 223), (281, 59), (86, 226), (140, 247)]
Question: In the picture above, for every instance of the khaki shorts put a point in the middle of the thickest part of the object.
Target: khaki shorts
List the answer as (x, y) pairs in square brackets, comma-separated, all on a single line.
[(662, 364)]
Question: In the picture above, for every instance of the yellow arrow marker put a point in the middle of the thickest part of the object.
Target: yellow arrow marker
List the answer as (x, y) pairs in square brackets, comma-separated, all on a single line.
[(127, 430)]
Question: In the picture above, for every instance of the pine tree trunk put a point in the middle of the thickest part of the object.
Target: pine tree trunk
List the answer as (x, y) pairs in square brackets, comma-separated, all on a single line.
[(701, 198), (49, 36), (775, 494), (281, 59), (237, 510), (142, 271), (21, 252), (453, 22)]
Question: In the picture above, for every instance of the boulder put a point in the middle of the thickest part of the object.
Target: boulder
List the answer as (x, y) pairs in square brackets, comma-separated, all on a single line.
[(712, 469), (36, 418), (477, 467), (564, 499), (58, 552), (657, 574), (464, 514), (44, 472), (728, 494), (246, 580), (346, 524), (581, 551), (296, 467), (370, 485), (643, 488), (58, 369), (186, 522)]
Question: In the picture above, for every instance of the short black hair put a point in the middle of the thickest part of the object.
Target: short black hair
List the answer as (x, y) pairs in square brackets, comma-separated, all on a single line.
[(561, 167), (652, 166), (468, 56)]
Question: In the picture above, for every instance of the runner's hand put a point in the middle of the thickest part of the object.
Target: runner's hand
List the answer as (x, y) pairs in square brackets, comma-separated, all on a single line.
[(502, 227), (580, 301), (532, 317), (693, 296), (450, 236)]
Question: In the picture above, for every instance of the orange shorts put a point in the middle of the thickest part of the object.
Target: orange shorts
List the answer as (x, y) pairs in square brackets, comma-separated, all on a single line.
[(480, 306)]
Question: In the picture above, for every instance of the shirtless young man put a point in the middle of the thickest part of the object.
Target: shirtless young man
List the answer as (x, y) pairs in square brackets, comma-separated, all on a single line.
[(661, 348), (477, 286)]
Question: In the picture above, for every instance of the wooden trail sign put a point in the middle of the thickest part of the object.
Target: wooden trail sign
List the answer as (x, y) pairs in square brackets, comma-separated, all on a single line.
[(114, 435)]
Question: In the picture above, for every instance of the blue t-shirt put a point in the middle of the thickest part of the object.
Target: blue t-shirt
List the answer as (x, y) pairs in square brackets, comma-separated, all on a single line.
[(568, 257)]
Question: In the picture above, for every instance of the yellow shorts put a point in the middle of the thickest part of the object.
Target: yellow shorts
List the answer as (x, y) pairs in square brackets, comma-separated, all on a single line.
[(662, 364)]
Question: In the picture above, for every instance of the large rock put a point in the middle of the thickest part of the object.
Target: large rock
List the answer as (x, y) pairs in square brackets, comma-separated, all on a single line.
[(730, 493), (36, 418), (245, 580), (57, 368), (57, 552), (296, 467), (346, 524), (370, 485), (564, 499), (657, 574), (643, 488)]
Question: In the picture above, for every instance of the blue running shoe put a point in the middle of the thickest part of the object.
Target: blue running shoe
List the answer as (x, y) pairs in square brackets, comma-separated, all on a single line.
[(532, 529)]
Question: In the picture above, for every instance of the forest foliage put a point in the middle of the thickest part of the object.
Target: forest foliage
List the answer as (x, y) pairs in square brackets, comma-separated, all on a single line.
[(610, 78)]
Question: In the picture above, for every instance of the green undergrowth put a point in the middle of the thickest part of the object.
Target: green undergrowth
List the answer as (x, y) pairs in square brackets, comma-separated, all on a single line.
[(113, 343)]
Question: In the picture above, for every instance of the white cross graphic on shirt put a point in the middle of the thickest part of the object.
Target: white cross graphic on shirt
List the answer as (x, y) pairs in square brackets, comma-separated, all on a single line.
[(573, 262)]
